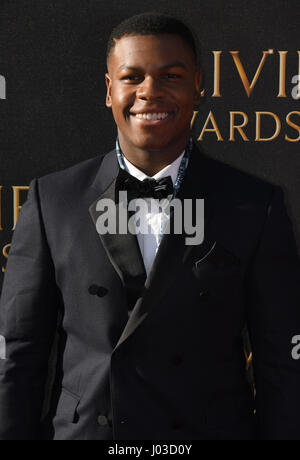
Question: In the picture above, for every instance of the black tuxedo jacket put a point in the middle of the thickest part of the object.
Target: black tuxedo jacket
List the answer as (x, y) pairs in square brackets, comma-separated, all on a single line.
[(173, 367)]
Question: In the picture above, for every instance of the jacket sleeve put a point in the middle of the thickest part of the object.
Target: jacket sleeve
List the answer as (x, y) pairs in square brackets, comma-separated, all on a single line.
[(273, 316), (28, 318)]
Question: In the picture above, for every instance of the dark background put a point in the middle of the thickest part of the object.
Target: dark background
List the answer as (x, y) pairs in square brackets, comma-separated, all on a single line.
[(52, 54)]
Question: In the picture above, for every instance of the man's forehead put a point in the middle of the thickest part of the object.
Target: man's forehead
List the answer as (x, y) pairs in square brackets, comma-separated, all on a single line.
[(171, 64), (131, 47)]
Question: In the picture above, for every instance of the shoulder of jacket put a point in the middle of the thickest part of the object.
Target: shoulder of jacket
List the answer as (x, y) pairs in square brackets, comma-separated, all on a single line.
[(76, 177), (232, 181)]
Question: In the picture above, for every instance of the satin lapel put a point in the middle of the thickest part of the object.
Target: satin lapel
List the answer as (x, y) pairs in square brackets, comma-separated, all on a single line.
[(122, 249), (173, 252)]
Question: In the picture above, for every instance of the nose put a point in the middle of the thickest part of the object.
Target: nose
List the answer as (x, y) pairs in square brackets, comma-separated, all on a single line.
[(149, 89)]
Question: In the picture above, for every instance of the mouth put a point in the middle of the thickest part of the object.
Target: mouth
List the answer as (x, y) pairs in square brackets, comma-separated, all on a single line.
[(150, 118)]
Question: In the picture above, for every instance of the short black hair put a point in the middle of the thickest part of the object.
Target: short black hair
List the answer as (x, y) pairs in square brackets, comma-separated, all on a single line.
[(153, 24)]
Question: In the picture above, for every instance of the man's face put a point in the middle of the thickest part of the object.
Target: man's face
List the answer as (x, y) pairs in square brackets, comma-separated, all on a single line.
[(152, 88)]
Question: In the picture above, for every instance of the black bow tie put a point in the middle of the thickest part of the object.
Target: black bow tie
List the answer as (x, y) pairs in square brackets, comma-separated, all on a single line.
[(135, 188)]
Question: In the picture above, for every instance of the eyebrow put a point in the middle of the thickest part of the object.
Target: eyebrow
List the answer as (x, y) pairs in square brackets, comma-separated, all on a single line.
[(164, 67)]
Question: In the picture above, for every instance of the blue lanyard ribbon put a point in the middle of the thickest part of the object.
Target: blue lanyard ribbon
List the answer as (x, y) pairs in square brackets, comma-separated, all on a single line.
[(180, 175), (181, 170)]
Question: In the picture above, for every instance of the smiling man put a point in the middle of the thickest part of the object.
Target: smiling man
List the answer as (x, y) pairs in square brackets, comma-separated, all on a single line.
[(153, 85), (150, 328)]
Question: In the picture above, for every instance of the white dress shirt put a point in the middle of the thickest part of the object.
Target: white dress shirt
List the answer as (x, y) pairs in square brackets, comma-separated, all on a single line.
[(149, 243)]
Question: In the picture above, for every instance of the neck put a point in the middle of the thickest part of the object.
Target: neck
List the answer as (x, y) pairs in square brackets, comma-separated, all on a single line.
[(150, 162)]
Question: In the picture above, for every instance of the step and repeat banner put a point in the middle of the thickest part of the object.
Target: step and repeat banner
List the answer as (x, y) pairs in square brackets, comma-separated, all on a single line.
[(52, 90)]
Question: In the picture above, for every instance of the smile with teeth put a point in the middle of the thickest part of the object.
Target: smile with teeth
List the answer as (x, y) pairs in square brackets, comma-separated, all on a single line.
[(152, 116)]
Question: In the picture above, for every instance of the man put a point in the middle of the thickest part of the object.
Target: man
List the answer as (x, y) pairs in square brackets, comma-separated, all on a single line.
[(150, 331)]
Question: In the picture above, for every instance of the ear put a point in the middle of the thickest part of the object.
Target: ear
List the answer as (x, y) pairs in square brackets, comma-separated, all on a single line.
[(108, 92), (198, 87)]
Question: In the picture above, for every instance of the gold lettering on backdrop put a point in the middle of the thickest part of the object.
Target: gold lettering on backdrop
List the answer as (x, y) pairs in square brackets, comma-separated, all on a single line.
[(16, 211), (1, 187), (217, 73), (249, 87), (293, 125), (282, 73), (215, 128), (5, 254), (258, 126), (17, 207), (239, 128)]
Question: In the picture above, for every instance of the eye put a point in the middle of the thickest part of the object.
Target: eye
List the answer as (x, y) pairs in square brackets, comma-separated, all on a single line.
[(131, 78), (172, 76)]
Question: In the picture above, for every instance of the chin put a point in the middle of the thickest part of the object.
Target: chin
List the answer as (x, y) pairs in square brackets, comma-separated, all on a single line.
[(151, 144)]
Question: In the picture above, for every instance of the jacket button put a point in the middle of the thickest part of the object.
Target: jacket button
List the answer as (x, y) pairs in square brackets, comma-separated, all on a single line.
[(102, 420), (100, 291)]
